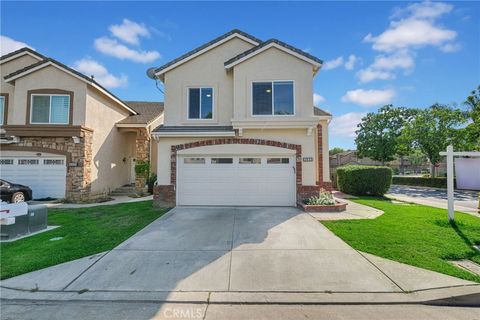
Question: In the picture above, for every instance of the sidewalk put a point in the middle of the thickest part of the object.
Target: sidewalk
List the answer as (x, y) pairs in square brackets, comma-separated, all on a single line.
[(116, 200)]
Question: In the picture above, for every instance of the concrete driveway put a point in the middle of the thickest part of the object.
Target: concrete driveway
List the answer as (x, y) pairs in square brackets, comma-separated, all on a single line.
[(233, 249)]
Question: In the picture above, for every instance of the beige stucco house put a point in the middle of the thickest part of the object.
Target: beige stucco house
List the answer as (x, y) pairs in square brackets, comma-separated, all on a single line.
[(239, 125), (63, 134)]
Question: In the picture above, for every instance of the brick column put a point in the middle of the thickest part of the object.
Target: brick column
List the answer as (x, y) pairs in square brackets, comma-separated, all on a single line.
[(320, 182)]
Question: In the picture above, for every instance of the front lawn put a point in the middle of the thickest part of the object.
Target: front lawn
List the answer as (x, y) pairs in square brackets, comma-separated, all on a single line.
[(414, 234), (83, 232)]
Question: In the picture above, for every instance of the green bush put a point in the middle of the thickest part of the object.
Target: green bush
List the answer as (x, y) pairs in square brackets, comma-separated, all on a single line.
[(364, 180), (438, 182)]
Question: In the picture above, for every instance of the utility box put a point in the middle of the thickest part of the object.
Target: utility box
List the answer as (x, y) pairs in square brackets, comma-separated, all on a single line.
[(20, 219)]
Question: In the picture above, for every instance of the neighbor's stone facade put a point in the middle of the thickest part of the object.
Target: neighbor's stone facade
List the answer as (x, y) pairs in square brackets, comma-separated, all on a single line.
[(78, 160), (164, 195)]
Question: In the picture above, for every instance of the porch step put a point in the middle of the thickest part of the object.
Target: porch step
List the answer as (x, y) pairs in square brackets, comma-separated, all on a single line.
[(124, 190)]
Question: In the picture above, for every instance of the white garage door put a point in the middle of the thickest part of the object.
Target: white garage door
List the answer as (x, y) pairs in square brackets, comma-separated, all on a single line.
[(236, 180), (45, 174)]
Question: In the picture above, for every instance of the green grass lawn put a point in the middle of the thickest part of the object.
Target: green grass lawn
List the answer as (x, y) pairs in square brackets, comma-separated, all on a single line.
[(85, 232), (413, 234)]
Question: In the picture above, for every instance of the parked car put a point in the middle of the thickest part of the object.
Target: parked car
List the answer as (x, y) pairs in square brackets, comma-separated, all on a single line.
[(13, 192)]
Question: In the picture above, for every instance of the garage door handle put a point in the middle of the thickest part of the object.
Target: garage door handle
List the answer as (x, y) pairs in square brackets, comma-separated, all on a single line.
[(294, 171)]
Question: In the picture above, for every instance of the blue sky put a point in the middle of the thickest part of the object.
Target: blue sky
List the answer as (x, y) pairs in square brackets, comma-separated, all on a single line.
[(407, 53)]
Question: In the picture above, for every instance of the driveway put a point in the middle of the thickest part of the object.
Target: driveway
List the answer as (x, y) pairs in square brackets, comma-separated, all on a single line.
[(465, 201), (205, 249)]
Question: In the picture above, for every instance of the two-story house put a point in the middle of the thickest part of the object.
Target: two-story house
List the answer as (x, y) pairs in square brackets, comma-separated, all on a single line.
[(239, 125), (63, 134)]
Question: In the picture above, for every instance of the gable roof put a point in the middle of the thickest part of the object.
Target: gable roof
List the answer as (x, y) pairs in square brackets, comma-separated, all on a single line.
[(279, 45), (206, 47), (21, 52), (320, 112), (147, 112), (49, 61)]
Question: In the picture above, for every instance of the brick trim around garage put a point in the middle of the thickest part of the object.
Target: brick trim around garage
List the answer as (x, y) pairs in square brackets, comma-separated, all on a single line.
[(165, 195)]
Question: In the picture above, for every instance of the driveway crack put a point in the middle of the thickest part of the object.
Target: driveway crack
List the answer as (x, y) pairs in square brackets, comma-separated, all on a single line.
[(231, 248)]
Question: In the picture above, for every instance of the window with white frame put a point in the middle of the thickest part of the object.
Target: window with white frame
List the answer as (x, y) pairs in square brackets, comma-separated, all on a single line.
[(2, 109), (50, 109), (200, 103), (272, 98)]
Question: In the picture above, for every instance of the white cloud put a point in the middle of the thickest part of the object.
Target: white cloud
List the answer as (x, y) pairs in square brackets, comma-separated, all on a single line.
[(332, 64), (369, 98), (90, 67), (129, 31), (424, 10), (317, 99), (345, 125), (352, 60), (401, 59), (112, 48), (410, 33), (8, 45), (370, 74), (451, 47)]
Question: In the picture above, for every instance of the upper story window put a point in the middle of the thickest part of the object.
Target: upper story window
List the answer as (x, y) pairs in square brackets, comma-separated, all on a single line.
[(2, 110), (50, 109), (200, 103), (273, 98)]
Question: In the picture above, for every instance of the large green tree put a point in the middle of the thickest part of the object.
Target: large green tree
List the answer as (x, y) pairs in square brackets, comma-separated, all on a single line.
[(472, 130), (378, 133), (433, 129)]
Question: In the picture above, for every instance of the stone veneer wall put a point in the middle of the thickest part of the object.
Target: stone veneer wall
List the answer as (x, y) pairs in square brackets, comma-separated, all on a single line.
[(78, 158), (165, 195), (142, 151)]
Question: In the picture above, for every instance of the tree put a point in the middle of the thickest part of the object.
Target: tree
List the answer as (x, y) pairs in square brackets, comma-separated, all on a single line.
[(377, 136), (417, 158), (472, 130), (336, 150), (433, 129)]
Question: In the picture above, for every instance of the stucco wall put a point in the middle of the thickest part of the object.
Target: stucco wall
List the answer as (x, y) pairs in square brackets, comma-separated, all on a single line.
[(205, 70), (295, 136), (47, 78), (109, 145), (273, 64), (7, 68)]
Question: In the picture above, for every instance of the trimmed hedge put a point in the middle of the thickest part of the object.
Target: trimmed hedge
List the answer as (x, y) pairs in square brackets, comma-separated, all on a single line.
[(438, 182), (364, 180)]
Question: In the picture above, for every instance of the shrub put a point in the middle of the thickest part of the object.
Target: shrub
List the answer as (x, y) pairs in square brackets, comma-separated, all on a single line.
[(364, 180), (421, 181), (324, 198)]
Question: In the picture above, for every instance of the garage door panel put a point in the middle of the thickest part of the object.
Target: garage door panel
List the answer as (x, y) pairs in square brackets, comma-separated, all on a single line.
[(45, 175), (243, 182)]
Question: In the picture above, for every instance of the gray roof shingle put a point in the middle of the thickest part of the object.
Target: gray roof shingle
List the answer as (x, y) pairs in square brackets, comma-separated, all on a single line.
[(147, 112), (163, 128), (320, 112)]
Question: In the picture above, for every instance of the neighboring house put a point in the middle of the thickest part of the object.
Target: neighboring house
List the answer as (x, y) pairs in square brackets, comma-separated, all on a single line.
[(63, 134), (239, 125)]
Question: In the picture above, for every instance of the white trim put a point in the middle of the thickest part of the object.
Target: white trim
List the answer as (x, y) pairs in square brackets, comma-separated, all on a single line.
[(200, 103), (273, 101), (194, 134), (50, 108), (21, 54), (131, 125), (277, 46), (275, 123), (50, 63), (214, 45)]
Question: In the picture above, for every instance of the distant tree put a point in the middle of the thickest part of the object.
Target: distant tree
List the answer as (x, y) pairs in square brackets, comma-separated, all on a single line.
[(416, 158), (378, 133), (433, 129), (336, 150), (472, 130)]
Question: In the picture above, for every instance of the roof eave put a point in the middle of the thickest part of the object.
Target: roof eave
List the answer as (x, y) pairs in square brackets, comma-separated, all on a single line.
[(159, 71), (21, 53)]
